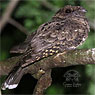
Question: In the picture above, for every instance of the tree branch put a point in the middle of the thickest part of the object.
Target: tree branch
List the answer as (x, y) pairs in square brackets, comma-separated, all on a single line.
[(92, 24), (74, 57), (48, 5), (18, 26), (41, 70), (43, 83), (7, 65), (11, 6)]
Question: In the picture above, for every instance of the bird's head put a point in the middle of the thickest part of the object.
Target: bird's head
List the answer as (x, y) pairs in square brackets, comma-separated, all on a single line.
[(70, 11)]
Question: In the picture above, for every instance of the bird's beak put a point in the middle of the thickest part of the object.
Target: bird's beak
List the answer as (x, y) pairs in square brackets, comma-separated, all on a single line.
[(83, 10)]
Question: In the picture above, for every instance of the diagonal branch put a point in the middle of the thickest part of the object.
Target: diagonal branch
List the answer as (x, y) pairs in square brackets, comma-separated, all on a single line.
[(74, 57), (48, 5), (42, 69), (18, 26), (92, 24), (5, 17)]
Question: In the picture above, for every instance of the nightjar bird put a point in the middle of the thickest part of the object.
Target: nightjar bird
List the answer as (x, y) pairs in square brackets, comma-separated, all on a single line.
[(67, 30)]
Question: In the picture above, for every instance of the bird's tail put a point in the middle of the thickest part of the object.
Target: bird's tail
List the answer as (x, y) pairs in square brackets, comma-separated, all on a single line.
[(13, 78)]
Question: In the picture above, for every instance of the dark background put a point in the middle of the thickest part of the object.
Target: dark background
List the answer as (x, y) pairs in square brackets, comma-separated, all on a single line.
[(31, 14)]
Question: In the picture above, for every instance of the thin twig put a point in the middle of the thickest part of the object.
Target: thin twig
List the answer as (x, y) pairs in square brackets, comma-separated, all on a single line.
[(7, 14), (92, 24), (48, 5), (18, 26), (0, 91)]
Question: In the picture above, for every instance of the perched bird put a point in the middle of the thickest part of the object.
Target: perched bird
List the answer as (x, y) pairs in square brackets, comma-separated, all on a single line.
[(67, 30)]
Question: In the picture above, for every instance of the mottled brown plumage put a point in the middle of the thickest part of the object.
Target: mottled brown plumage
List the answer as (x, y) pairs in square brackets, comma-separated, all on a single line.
[(67, 30)]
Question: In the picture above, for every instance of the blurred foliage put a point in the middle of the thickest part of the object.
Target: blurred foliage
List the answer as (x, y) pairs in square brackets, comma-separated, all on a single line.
[(90, 6), (54, 89), (31, 14)]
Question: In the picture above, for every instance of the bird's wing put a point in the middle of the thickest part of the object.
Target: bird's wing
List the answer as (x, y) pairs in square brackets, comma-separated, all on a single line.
[(50, 38), (54, 37), (46, 37), (66, 33)]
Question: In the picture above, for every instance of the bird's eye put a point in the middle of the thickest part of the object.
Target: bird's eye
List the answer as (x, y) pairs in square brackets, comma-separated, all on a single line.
[(68, 11)]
